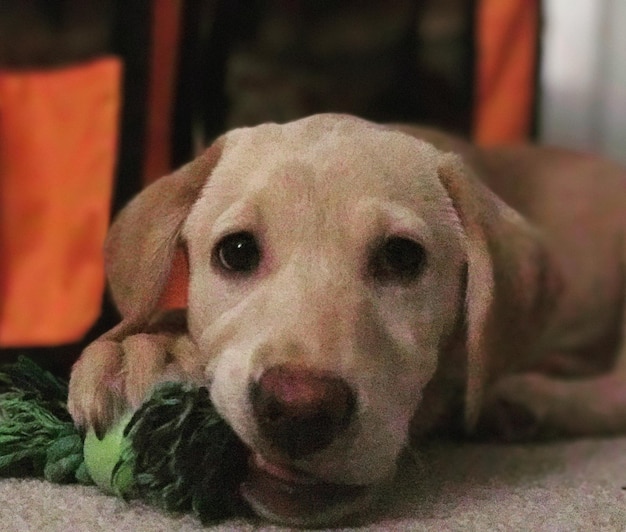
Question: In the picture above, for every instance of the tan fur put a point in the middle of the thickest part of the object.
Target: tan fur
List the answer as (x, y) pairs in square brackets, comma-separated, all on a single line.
[(524, 281)]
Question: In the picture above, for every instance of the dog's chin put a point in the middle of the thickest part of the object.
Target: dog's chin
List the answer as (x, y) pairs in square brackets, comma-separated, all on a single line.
[(289, 497)]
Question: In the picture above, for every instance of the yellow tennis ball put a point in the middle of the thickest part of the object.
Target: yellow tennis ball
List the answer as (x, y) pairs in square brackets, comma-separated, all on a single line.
[(109, 460)]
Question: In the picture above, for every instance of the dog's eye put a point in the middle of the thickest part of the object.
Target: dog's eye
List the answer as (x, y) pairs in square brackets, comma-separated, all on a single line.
[(397, 259), (238, 253)]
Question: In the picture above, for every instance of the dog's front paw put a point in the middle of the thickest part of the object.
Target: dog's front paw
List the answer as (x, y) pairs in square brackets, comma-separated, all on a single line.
[(112, 377), (516, 409), (96, 392)]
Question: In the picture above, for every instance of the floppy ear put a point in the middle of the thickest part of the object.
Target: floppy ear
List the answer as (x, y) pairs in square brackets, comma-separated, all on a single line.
[(141, 243), (511, 283)]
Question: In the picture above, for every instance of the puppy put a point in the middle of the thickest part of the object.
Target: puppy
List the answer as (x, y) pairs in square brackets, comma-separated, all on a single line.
[(355, 286)]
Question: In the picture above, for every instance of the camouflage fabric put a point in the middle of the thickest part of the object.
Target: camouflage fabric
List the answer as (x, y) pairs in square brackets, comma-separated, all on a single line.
[(369, 58)]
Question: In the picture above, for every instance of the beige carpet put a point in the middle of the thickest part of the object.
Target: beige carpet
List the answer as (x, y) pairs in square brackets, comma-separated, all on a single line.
[(574, 486)]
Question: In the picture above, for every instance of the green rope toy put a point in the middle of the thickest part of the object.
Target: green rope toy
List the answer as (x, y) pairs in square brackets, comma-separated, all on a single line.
[(175, 452)]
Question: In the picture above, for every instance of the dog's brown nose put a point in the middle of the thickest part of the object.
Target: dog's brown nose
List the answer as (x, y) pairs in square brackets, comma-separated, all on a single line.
[(301, 411)]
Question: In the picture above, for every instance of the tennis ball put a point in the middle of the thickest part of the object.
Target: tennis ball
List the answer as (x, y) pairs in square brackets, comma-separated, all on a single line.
[(110, 460)]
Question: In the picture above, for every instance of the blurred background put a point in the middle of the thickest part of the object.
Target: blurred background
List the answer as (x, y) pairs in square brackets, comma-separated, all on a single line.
[(100, 97)]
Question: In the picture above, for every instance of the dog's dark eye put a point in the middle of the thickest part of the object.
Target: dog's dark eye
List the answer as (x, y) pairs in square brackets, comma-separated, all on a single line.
[(238, 253), (397, 259)]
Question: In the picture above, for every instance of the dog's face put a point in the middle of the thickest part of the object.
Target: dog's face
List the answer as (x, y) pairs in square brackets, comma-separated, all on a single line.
[(326, 262), (331, 263)]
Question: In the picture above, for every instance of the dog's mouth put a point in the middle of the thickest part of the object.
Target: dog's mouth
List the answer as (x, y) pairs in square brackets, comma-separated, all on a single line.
[(291, 497)]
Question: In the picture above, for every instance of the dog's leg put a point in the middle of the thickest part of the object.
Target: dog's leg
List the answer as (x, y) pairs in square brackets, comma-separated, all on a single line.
[(531, 405)]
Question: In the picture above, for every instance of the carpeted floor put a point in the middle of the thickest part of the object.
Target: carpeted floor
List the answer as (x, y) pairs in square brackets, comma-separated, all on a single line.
[(573, 486)]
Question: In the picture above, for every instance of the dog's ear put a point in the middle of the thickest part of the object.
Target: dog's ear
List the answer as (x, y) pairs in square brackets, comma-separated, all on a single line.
[(511, 283), (143, 239)]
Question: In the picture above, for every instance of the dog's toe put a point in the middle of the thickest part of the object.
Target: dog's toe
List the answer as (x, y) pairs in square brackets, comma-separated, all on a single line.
[(96, 390), (507, 421)]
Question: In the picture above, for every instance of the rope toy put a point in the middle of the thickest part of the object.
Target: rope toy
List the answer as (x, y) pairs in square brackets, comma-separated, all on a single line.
[(175, 452)]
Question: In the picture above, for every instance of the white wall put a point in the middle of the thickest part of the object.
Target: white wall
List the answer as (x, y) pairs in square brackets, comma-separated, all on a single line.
[(583, 76)]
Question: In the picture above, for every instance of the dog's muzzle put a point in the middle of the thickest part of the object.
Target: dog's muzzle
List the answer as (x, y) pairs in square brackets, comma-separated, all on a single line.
[(298, 412)]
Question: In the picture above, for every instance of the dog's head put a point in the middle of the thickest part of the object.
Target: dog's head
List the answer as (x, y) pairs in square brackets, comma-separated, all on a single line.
[(330, 262)]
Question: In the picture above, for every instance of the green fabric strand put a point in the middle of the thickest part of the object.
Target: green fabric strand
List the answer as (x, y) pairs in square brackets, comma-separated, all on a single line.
[(26, 430), (63, 458), (40, 385), (37, 436)]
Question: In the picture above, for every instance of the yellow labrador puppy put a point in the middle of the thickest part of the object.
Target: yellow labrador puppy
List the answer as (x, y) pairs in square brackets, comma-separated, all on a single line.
[(353, 286)]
